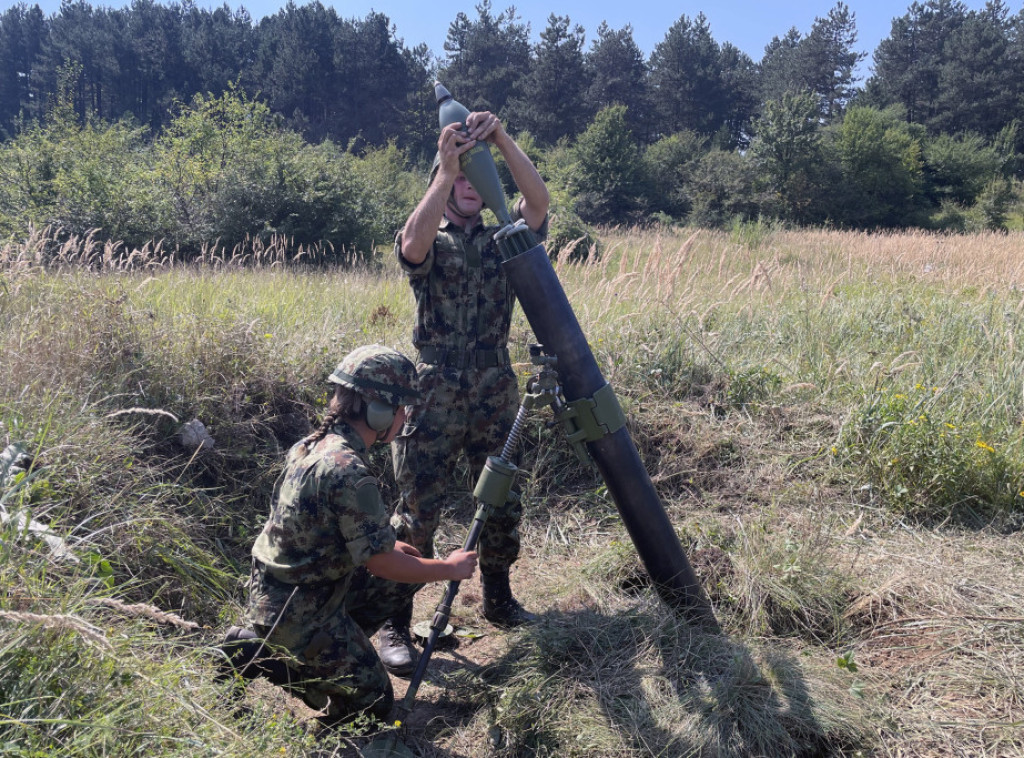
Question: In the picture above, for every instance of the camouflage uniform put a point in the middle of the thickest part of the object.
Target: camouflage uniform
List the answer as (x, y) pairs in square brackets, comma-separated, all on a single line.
[(311, 597), (470, 394)]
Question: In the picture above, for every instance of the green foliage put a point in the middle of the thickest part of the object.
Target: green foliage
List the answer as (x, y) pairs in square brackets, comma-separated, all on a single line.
[(568, 234), (552, 102), (882, 168), (788, 154), (389, 192), (617, 73), (23, 29), (751, 386), (78, 179), (668, 167), (930, 465), (996, 201), (722, 190), (223, 173), (229, 174), (486, 57), (687, 74), (950, 71), (607, 174), (819, 66), (950, 217), (958, 166), (992, 211), (828, 52)]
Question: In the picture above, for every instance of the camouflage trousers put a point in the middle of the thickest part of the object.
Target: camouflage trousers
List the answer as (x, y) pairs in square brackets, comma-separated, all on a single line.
[(326, 642), (467, 411)]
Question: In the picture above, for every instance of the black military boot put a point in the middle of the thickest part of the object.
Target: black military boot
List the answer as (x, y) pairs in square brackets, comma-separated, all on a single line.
[(500, 608), (248, 655), (396, 649)]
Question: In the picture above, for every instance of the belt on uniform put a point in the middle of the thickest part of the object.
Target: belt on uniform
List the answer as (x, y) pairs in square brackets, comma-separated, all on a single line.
[(440, 356)]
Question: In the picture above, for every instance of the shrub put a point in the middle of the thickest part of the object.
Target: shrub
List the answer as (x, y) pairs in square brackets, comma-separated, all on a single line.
[(230, 173), (720, 191), (389, 191), (224, 173), (929, 465), (608, 183), (668, 165), (79, 178)]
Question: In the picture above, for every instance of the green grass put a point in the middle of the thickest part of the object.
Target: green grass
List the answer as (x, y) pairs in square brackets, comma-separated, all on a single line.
[(832, 421)]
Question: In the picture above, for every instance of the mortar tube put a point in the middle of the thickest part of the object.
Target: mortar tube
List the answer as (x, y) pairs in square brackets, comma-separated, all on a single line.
[(555, 325)]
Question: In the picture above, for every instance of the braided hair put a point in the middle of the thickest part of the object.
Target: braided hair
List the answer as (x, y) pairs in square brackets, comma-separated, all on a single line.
[(344, 405)]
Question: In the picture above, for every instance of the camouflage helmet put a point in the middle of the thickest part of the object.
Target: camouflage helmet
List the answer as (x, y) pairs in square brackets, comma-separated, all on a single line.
[(378, 373)]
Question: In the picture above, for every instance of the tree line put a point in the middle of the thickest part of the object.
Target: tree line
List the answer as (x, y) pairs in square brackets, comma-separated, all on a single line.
[(697, 132)]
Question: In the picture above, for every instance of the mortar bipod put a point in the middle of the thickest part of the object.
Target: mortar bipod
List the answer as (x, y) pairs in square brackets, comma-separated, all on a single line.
[(544, 389), (493, 489)]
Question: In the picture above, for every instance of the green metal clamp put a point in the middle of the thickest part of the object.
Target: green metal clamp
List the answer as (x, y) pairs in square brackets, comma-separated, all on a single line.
[(591, 418)]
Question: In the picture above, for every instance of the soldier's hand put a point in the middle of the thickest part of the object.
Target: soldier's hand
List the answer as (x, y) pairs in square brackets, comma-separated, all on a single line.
[(483, 125), (452, 143), (462, 563)]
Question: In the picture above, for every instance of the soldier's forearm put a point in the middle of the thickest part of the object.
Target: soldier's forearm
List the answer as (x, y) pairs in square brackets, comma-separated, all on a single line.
[(421, 227), (535, 193)]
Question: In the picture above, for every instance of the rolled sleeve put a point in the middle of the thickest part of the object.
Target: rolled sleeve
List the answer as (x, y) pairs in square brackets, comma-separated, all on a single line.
[(370, 533), (380, 540)]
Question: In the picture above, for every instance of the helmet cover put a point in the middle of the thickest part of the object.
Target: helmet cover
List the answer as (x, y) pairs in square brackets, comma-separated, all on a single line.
[(378, 373)]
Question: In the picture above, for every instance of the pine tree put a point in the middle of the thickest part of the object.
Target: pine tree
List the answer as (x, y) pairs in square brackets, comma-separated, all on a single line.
[(22, 32), (685, 79), (486, 58), (618, 76), (552, 102)]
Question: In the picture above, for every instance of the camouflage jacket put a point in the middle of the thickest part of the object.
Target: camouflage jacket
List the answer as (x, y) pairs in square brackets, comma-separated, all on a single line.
[(463, 300), (328, 518)]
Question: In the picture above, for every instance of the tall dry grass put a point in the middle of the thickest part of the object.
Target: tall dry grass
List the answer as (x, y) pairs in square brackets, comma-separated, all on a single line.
[(55, 251), (862, 560)]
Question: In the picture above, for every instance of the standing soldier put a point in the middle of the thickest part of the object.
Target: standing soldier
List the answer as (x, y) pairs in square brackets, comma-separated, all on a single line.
[(470, 394), (327, 569)]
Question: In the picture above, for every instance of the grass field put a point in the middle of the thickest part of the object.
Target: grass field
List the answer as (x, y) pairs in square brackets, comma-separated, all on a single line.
[(833, 422)]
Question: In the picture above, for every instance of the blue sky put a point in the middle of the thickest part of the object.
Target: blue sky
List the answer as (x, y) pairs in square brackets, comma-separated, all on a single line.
[(747, 24)]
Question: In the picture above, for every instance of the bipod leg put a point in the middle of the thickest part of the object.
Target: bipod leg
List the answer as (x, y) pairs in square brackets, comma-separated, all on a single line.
[(492, 489)]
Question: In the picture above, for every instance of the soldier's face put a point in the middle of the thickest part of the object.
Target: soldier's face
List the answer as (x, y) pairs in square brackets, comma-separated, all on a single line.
[(466, 199), (396, 425)]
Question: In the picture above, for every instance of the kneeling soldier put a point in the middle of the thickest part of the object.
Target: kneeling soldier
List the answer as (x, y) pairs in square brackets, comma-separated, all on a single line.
[(327, 568)]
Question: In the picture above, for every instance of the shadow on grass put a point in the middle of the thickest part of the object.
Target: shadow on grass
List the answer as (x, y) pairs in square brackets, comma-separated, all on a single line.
[(585, 683)]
